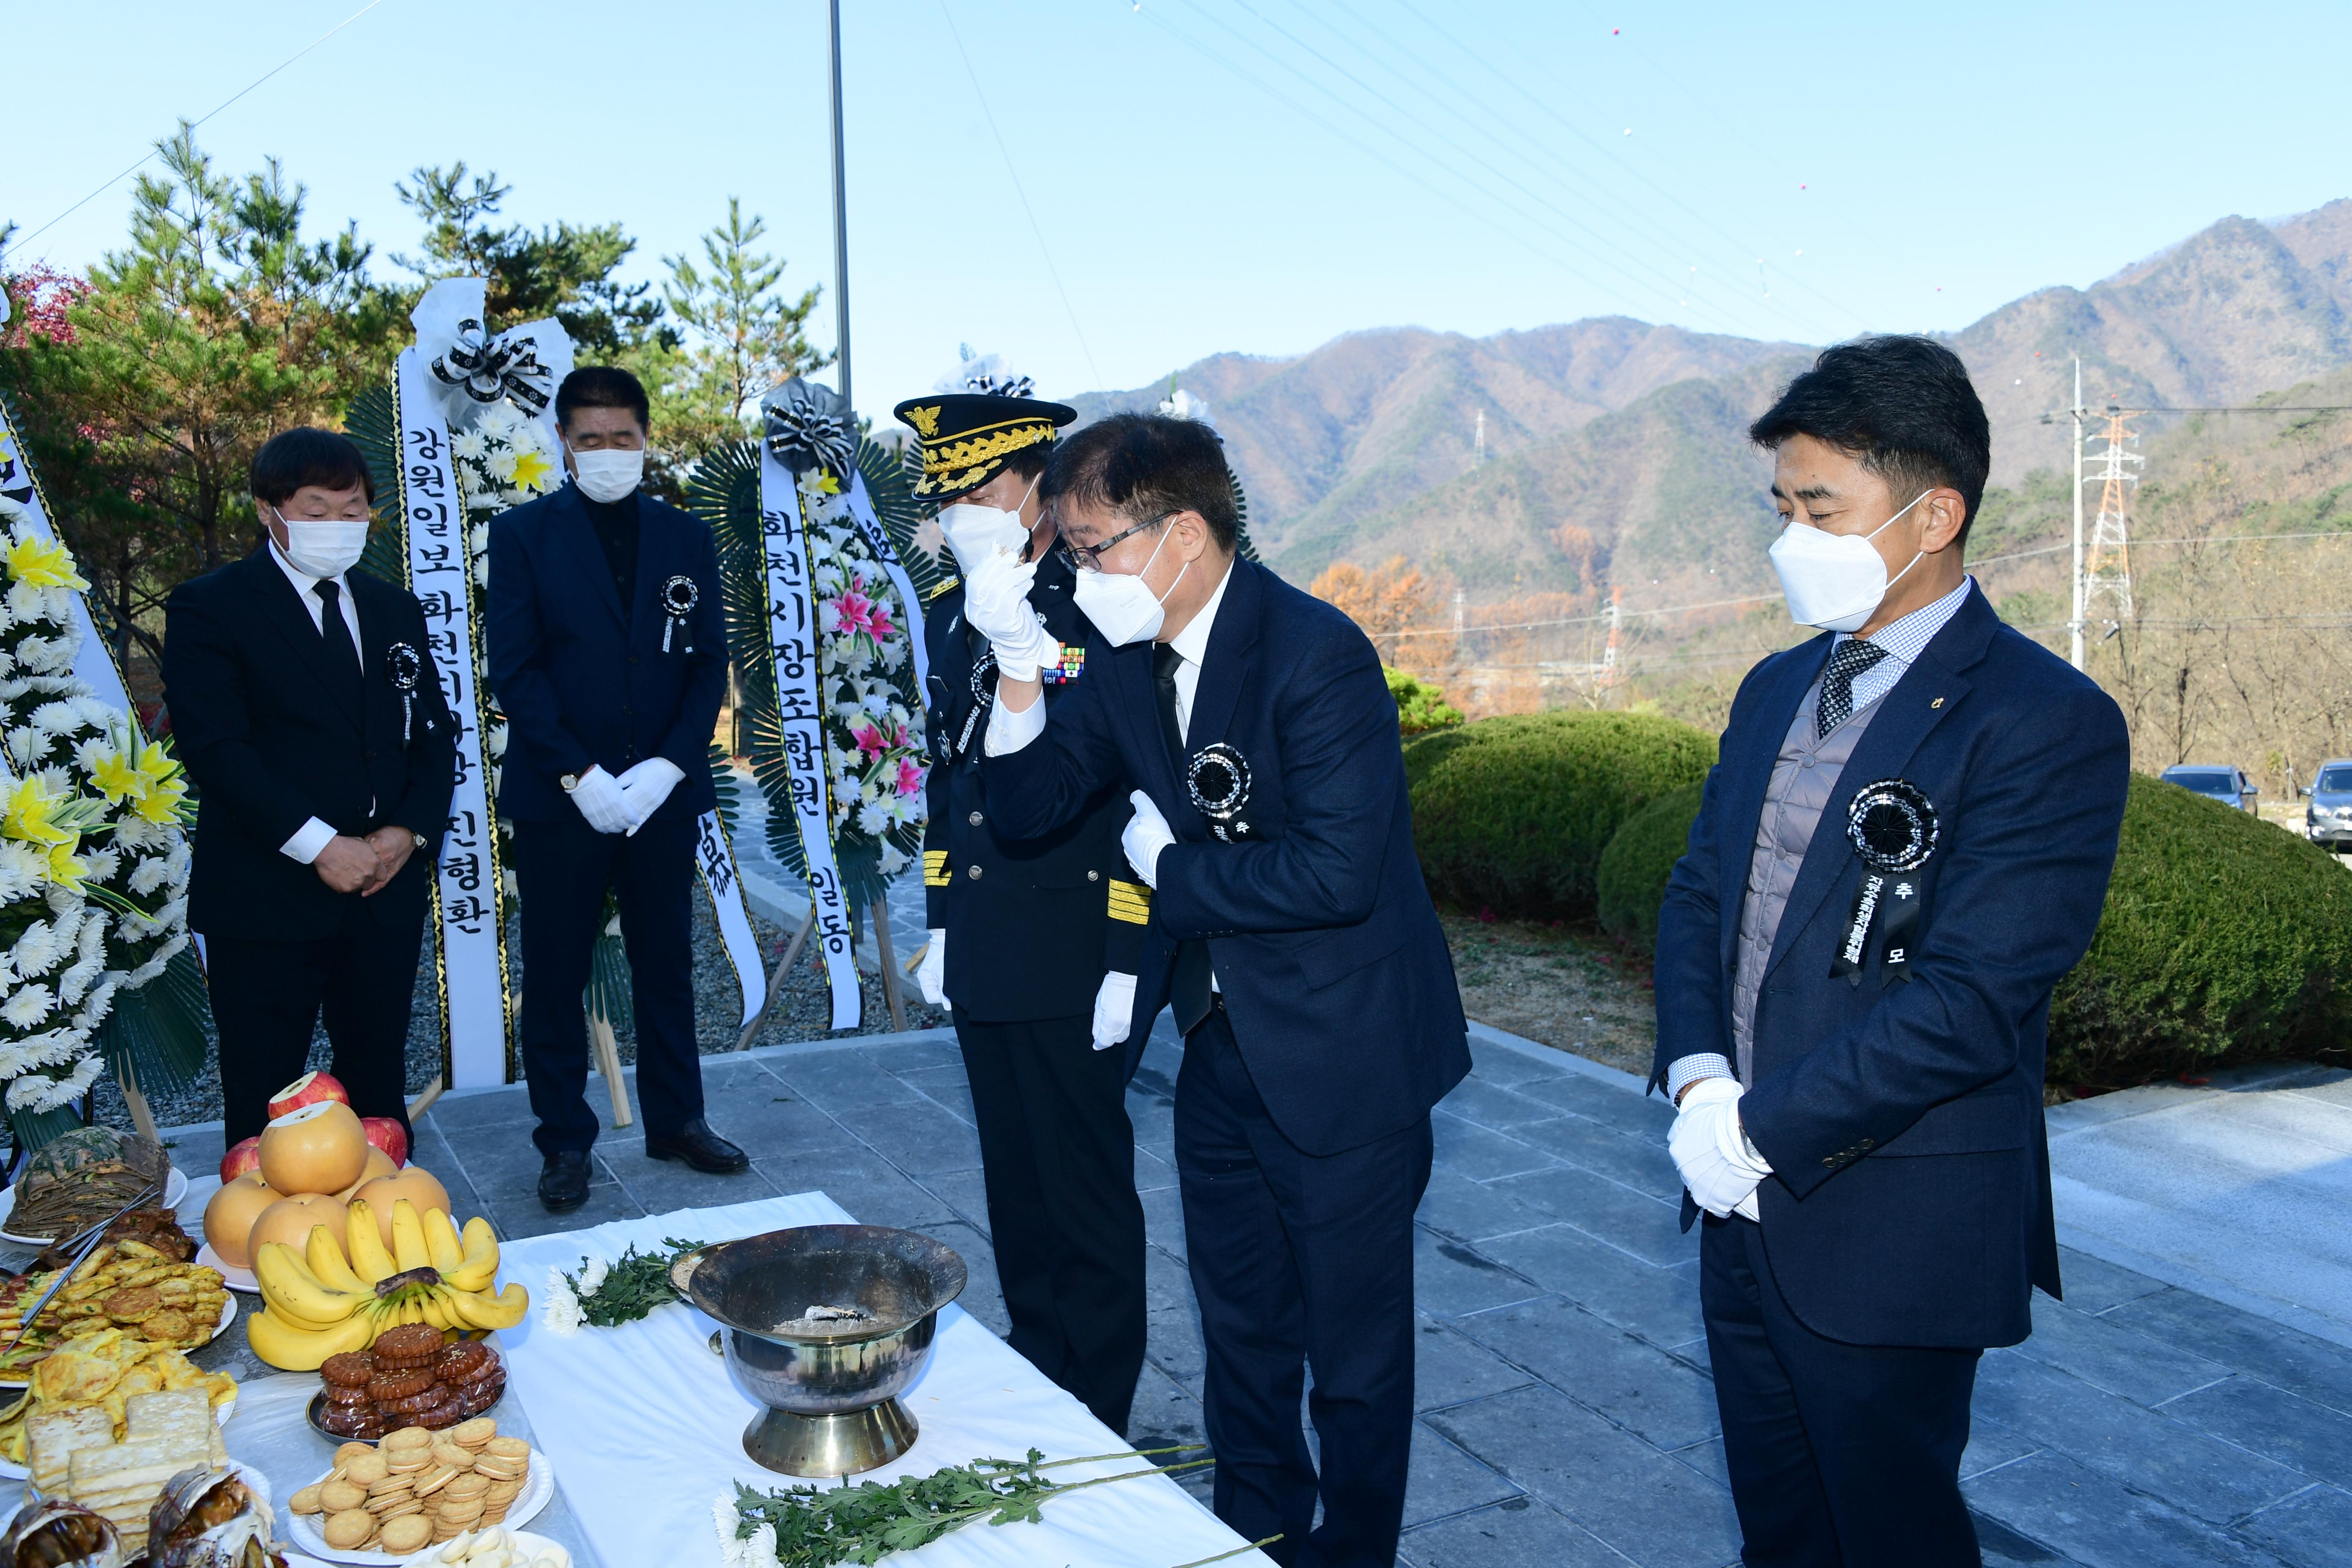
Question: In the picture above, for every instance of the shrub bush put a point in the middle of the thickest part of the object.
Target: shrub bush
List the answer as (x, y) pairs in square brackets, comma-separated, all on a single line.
[(1420, 707), (1512, 812), (1639, 860), (2223, 939)]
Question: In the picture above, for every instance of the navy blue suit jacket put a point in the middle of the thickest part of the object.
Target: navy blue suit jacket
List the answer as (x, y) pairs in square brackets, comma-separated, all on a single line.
[(1909, 1203), (1333, 969), (580, 683)]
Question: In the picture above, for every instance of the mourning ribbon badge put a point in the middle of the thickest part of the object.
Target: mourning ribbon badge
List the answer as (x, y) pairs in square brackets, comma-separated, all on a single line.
[(678, 598), (406, 666), (1217, 778), (1893, 827), (958, 744)]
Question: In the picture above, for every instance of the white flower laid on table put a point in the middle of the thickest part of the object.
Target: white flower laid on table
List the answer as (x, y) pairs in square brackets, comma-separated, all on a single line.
[(873, 746), (93, 863), (606, 1295)]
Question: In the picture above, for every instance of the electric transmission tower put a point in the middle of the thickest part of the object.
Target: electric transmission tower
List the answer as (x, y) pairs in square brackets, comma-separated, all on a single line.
[(1616, 625), (2106, 572)]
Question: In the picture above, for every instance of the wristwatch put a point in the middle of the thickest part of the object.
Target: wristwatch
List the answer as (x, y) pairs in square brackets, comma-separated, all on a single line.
[(421, 841), (570, 783)]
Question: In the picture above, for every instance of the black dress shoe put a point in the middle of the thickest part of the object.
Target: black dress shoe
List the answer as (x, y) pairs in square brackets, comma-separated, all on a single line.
[(564, 1181), (700, 1147)]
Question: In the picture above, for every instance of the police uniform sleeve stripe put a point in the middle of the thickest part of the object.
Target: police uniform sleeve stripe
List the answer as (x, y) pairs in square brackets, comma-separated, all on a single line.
[(935, 867), (1130, 901)]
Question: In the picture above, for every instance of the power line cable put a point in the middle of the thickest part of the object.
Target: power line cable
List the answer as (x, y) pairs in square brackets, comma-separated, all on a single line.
[(193, 124), (1225, 62), (1526, 146), (1053, 271), (1673, 286)]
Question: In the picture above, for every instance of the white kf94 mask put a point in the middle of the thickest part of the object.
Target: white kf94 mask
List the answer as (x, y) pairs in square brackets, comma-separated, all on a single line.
[(324, 547), (1834, 581), (608, 473), (1122, 606), (975, 532)]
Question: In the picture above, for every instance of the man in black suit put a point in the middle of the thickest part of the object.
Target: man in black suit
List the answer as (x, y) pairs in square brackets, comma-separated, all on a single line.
[(1904, 848), (1032, 943), (324, 756), (608, 654), (1292, 936)]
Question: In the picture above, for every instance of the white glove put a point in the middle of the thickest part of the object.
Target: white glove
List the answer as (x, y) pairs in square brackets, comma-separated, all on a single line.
[(996, 600), (1145, 836), (931, 969), (645, 786), (1114, 1009), (1717, 1164), (598, 796)]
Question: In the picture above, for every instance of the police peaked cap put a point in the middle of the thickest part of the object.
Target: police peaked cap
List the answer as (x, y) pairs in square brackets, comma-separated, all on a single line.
[(967, 435)]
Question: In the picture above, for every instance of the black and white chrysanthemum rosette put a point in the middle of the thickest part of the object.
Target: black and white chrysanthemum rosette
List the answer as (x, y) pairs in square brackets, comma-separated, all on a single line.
[(1894, 827), (1218, 781), (678, 598), (405, 666)]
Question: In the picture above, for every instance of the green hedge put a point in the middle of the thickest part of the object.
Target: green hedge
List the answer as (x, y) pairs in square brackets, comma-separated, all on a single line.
[(2223, 939), (1639, 860), (1420, 707), (1511, 814)]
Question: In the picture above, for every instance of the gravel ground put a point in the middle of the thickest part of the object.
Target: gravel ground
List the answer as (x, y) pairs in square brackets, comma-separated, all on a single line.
[(1571, 987), (801, 1013)]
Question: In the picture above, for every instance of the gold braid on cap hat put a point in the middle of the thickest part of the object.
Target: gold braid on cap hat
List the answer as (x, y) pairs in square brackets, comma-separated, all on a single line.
[(950, 466)]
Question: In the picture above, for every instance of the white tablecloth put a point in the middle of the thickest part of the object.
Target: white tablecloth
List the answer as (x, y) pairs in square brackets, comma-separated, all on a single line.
[(645, 1429)]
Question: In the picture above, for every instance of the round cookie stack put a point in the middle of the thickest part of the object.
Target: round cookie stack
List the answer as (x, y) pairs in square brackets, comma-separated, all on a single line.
[(409, 1377), (419, 1487)]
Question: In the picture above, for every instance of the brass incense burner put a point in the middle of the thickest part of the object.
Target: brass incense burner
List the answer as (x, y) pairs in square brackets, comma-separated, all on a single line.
[(823, 1326)]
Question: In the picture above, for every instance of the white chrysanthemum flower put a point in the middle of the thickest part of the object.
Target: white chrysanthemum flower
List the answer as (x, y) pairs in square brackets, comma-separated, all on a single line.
[(468, 445), (26, 603), (148, 875), (592, 1276), (28, 1006), (560, 1311), (828, 619), (102, 864), (23, 868), (37, 950), (872, 818)]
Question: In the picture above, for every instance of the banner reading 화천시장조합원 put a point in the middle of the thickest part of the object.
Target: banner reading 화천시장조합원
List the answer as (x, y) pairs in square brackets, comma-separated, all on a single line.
[(792, 653)]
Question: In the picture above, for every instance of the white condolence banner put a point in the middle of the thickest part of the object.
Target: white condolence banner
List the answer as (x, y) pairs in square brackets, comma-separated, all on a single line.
[(792, 647), (723, 879), (469, 947)]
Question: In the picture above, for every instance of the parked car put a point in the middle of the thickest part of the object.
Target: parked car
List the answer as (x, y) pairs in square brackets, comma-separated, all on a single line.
[(2328, 818), (2225, 784)]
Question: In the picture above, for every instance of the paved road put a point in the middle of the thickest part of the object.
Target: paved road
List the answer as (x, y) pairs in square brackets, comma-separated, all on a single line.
[(1566, 1415)]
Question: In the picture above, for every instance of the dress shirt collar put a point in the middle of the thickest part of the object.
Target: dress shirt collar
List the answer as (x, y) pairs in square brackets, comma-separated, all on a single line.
[(1905, 638), (1193, 642)]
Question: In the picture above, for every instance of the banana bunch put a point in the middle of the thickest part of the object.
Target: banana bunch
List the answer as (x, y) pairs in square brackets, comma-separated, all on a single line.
[(321, 1302)]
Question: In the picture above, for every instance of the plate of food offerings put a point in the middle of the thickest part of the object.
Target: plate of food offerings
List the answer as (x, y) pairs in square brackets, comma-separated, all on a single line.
[(238, 1279), (313, 1522), (11, 1471), (175, 1187), (20, 1375)]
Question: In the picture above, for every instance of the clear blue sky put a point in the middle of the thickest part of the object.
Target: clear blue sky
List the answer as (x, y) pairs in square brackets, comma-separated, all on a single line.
[(1257, 175)]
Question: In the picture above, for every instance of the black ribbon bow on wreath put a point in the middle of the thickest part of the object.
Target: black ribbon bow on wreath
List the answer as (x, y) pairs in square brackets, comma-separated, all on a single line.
[(1893, 827), (808, 426), (487, 369)]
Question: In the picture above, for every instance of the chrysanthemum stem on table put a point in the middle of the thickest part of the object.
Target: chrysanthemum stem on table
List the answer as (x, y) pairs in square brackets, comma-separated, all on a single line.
[(809, 1527), (605, 1296)]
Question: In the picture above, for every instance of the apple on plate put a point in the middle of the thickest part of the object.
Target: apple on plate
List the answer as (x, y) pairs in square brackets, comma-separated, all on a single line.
[(387, 1134), (308, 1090), (243, 1157)]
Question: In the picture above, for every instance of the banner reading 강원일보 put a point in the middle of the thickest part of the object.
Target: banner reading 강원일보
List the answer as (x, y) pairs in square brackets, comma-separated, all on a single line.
[(792, 647), (470, 943)]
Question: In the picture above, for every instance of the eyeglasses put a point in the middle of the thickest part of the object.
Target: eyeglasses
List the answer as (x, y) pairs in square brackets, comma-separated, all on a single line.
[(1088, 557)]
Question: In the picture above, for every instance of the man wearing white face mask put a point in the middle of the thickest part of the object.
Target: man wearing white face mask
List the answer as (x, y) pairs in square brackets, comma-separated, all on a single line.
[(1033, 943), (1291, 935), (1905, 846), (609, 658), (324, 756)]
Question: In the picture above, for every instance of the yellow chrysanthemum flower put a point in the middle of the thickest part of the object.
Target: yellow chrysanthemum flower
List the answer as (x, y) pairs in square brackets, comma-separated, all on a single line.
[(116, 776), (531, 470), (30, 812), (44, 564)]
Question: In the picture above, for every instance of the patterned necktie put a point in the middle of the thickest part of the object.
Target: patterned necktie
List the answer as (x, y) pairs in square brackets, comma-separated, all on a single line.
[(1852, 656)]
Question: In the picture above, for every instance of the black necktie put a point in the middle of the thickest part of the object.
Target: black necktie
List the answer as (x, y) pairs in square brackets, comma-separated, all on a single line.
[(1852, 656), (343, 667), (1188, 993)]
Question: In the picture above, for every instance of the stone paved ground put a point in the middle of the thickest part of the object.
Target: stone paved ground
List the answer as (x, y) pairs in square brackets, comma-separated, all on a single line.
[(1566, 1415)]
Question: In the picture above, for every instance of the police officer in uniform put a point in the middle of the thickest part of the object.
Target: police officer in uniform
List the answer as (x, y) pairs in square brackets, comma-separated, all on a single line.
[(1034, 944)]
